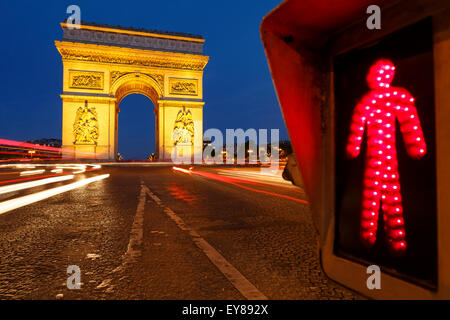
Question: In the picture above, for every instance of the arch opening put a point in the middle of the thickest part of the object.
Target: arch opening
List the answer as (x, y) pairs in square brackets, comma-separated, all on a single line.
[(136, 123), (136, 129)]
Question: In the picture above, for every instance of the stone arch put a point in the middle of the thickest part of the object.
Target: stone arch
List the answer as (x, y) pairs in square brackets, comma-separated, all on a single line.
[(136, 83)]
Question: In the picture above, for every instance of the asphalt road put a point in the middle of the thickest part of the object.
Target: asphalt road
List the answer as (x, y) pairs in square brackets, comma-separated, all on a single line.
[(157, 233)]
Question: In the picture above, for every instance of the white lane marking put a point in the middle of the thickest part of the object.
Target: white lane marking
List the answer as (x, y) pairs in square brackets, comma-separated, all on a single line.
[(12, 204), (137, 230), (245, 287), (31, 184), (134, 244), (28, 173)]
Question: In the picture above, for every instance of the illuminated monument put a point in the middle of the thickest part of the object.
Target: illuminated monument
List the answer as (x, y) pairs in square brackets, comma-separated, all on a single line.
[(104, 64)]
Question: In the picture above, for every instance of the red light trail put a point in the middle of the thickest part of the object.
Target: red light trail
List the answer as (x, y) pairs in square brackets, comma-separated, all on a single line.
[(27, 154), (376, 112), (4, 143), (13, 143), (32, 178), (236, 182)]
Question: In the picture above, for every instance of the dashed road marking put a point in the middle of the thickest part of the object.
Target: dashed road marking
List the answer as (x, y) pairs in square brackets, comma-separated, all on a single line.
[(244, 286), (134, 244)]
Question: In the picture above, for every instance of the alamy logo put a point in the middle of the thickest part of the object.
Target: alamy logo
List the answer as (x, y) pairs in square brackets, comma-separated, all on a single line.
[(74, 20), (74, 280), (374, 20), (374, 281)]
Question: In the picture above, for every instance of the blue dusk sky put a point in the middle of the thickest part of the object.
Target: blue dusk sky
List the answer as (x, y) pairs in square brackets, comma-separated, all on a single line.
[(238, 89)]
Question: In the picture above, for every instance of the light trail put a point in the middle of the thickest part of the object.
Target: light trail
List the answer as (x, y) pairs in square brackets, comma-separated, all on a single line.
[(181, 170), (27, 173), (32, 184), (31, 178), (27, 154), (236, 182), (39, 147), (271, 179), (58, 171), (271, 193), (80, 167), (26, 166), (19, 159), (27, 149), (12, 204)]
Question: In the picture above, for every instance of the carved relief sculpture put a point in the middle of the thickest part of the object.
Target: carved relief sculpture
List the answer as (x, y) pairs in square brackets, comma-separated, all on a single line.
[(85, 126), (197, 64), (87, 80), (157, 77), (183, 87), (183, 132), (115, 75)]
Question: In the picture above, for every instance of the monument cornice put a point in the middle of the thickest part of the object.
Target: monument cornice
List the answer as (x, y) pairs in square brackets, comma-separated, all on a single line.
[(132, 32), (136, 39), (130, 56)]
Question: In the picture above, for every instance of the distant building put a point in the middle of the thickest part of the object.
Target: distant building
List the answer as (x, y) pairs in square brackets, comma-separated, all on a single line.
[(57, 143)]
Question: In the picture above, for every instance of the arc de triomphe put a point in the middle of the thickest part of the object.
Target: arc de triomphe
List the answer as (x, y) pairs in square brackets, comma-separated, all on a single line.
[(104, 64)]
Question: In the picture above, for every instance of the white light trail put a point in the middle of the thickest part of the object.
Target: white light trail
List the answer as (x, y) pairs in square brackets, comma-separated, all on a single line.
[(181, 169), (57, 170), (28, 173), (27, 166), (31, 184), (12, 204), (80, 168)]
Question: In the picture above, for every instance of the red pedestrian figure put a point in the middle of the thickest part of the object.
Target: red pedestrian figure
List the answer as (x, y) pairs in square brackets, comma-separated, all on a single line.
[(377, 110)]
